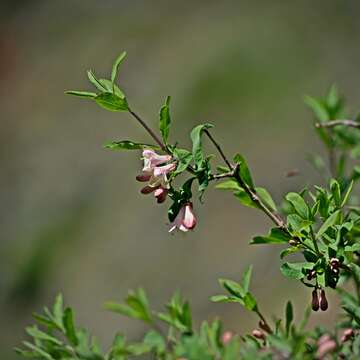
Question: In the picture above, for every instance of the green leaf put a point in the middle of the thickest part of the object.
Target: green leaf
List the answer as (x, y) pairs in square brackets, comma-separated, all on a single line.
[(266, 197), (232, 287), (298, 224), (245, 199), (330, 221), (244, 171), (250, 302), (136, 306), (184, 158), (155, 341), (290, 250), (347, 194), (289, 315), (229, 185), (83, 94), (318, 107), (197, 151), (112, 88), (336, 192), (295, 270), (40, 335), (299, 204), (93, 79), (245, 282), (165, 120), (224, 299), (70, 331), (127, 145), (355, 269), (276, 236), (112, 102), (116, 65), (58, 310)]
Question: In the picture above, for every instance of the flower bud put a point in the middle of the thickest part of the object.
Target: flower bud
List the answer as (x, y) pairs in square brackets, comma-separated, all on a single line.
[(347, 335), (226, 337), (147, 190), (311, 274), (160, 194), (143, 177), (323, 339), (315, 300), (293, 242), (325, 348), (258, 334), (323, 301)]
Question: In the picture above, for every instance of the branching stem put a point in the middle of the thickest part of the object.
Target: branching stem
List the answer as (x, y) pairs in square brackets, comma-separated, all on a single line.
[(218, 147), (333, 123)]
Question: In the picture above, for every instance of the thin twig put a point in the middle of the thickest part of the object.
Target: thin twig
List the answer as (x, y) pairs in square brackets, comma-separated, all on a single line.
[(333, 123), (227, 162), (255, 198), (147, 128), (229, 174)]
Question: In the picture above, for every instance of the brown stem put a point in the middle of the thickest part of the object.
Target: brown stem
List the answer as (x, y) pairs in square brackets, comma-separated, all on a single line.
[(150, 131), (218, 147), (255, 198), (333, 123)]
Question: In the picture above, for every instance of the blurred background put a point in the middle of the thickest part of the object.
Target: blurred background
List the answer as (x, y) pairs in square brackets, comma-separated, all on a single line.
[(71, 216)]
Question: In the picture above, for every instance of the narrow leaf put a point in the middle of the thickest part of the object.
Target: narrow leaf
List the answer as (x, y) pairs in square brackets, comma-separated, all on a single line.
[(83, 94), (116, 65)]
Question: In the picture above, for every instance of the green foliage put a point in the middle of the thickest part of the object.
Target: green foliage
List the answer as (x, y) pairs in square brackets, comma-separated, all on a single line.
[(319, 225), (165, 120), (127, 145)]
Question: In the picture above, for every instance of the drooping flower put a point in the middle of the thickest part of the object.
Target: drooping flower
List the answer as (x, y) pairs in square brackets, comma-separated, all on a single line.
[(152, 159), (323, 301), (155, 172), (315, 300), (160, 193), (347, 335), (185, 220), (326, 345)]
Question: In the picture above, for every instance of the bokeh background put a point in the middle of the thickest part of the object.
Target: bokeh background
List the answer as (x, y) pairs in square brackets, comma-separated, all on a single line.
[(71, 216)]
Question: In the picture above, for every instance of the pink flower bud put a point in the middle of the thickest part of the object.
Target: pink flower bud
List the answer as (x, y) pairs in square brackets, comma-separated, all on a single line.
[(226, 337), (315, 300), (185, 220), (323, 301), (259, 334), (323, 339), (147, 190), (325, 348), (160, 194), (347, 335), (143, 177)]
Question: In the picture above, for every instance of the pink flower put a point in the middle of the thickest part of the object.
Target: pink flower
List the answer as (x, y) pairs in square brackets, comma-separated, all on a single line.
[(325, 346), (226, 337), (164, 170), (155, 170), (185, 220), (152, 159), (160, 193)]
